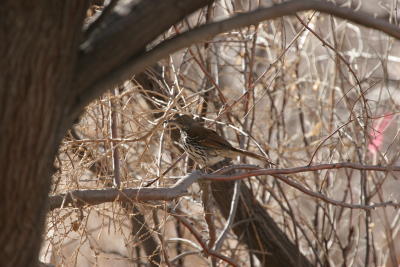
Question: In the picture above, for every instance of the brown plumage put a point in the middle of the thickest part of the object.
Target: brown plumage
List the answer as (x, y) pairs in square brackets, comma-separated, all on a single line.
[(204, 145)]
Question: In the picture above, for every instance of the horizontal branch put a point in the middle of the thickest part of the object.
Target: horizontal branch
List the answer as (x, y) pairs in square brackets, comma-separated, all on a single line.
[(78, 198), (137, 64), (256, 171)]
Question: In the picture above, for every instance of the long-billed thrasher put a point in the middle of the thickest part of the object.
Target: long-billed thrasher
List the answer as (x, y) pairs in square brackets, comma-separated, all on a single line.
[(204, 145)]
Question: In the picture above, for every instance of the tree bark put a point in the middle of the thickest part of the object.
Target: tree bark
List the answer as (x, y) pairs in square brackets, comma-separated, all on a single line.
[(123, 38), (38, 52), (39, 61)]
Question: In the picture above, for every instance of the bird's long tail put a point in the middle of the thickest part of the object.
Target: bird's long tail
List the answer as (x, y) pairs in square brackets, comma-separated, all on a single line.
[(254, 155)]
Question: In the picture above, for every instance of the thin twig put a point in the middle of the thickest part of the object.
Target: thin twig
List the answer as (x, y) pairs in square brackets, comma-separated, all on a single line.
[(200, 240), (231, 218)]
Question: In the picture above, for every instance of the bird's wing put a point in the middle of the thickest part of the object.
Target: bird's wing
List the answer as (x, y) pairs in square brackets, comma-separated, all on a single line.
[(209, 138)]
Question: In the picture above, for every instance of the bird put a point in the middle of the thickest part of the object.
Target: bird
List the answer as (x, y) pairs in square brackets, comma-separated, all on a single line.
[(204, 145)]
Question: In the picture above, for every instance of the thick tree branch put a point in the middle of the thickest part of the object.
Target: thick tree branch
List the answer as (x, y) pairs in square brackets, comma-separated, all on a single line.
[(95, 25), (98, 196), (126, 35), (124, 69), (79, 198)]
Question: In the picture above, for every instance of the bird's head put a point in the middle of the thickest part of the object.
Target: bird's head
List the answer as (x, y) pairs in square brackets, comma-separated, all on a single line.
[(183, 122)]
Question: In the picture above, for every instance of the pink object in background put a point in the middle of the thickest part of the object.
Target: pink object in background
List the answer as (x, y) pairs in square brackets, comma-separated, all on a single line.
[(379, 127)]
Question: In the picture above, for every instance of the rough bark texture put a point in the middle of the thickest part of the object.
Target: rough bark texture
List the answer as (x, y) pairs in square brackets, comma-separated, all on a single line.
[(38, 49), (130, 34)]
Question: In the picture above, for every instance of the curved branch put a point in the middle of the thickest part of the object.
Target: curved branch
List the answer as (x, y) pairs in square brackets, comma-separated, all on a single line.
[(125, 33), (137, 64)]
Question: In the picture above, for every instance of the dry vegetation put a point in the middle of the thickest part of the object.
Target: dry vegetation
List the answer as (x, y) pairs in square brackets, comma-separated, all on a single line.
[(306, 89)]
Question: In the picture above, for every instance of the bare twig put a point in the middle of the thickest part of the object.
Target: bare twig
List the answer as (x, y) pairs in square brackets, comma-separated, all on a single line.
[(200, 240), (114, 148), (232, 214)]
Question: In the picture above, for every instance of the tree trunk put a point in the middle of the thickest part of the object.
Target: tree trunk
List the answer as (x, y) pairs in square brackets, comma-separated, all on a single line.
[(256, 227), (38, 51)]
